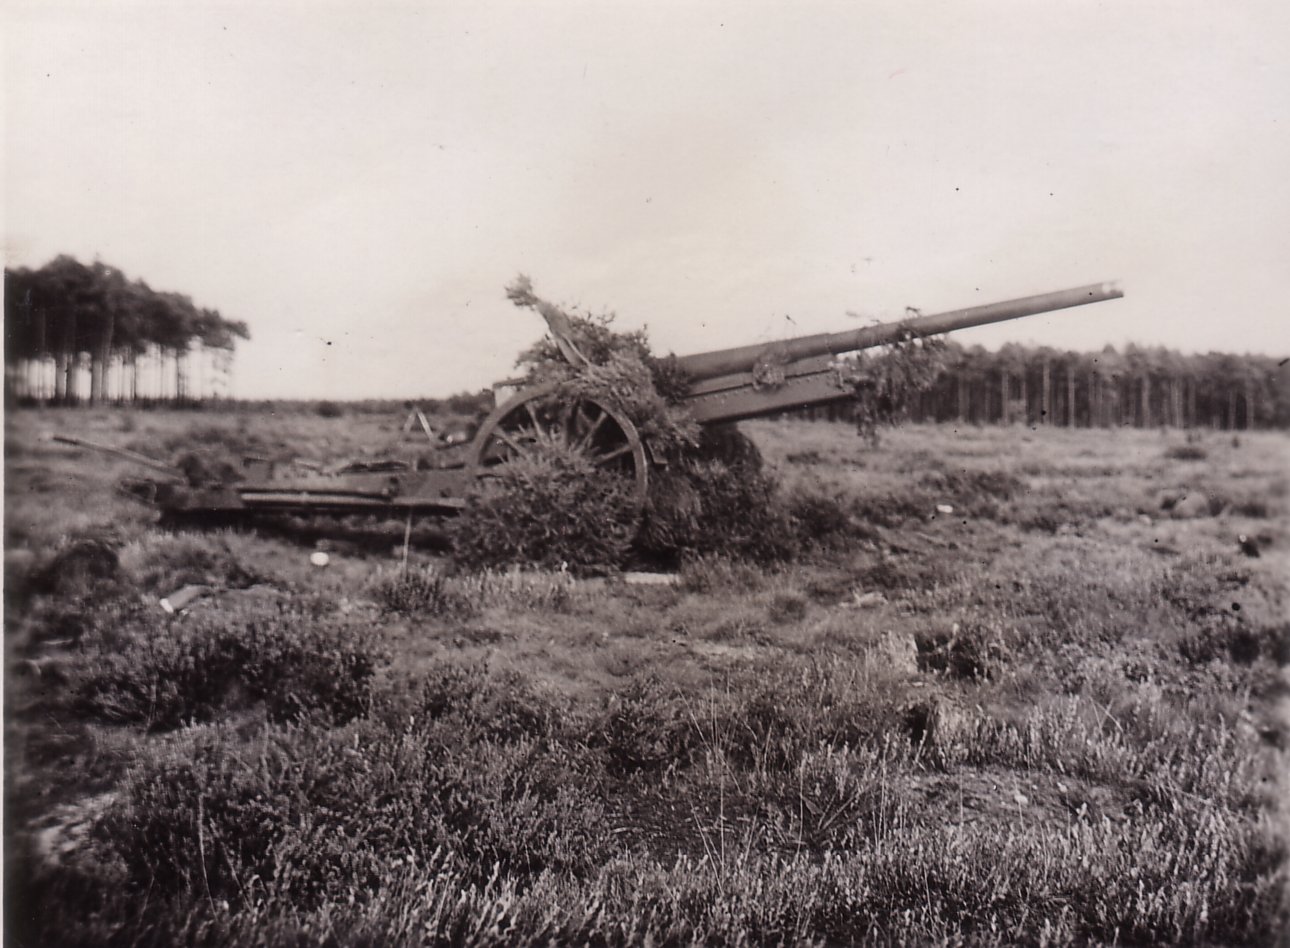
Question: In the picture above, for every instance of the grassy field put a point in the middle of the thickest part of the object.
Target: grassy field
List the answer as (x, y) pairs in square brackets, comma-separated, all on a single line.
[(1022, 687)]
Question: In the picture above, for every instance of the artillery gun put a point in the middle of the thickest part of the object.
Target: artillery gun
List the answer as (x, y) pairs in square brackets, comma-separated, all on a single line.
[(723, 386)]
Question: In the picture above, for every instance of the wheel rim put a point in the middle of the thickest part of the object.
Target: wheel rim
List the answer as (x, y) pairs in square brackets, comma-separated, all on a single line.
[(586, 425)]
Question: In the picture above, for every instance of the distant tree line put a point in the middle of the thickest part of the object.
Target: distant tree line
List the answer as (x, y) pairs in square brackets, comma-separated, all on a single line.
[(1137, 387), (137, 344)]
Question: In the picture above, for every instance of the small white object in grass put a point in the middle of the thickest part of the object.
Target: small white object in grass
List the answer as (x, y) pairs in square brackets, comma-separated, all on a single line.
[(650, 579), (319, 558), (944, 509), (182, 598)]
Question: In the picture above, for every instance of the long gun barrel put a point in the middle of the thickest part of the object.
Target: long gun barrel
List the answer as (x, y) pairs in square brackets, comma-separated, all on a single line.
[(708, 365)]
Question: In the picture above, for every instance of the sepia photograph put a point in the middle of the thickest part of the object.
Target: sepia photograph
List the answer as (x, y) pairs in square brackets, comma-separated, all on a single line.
[(646, 474)]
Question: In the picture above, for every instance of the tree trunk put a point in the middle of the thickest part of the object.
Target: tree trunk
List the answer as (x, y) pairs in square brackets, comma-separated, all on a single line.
[(60, 376), (69, 384), (1231, 409), (98, 383), (42, 352), (1146, 401), (1046, 408), (1070, 397), (1004, 386)]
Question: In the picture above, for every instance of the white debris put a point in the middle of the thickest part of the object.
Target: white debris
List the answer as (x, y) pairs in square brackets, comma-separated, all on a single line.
[(944, 509), (182, 598), (650, 579), (319, 558)]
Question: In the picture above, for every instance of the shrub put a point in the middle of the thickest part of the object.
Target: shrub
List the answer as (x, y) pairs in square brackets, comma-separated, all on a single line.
[(82, 567), (787, 607), (784, 714), (418, 591), (970, 652), (823, 520), (699, 508), (832, 801), (646, 728), (207, 468), (163, 673), (893, 508), (1186, 452), (163, 562), (327, 409), (550, 509), (311, 815), (502, 706), (83, 589)]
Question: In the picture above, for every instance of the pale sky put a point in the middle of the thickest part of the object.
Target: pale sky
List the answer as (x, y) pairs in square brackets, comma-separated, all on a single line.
[(358, 181)]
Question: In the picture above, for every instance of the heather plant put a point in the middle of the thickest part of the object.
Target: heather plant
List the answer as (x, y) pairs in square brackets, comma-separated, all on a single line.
[(823, 520), (161, 563), (418, 591), (428, 590), (554, 590), (163, 672), (647, 727), (496, 706), (705, 508), (311, 814), (711, 572), (752, 754), (550, 509)]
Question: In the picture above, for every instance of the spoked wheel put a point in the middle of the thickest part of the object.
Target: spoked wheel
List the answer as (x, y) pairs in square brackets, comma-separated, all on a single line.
[(538, 420)]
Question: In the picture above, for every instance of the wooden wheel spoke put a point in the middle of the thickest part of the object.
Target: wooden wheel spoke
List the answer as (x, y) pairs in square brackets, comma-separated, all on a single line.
[(533, 422), (515, 446), (615, 453), (577, 421), (590, 433), (532, 412)]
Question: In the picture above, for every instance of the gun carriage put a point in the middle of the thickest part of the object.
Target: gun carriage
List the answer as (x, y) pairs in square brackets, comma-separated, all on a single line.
[(722, 386)]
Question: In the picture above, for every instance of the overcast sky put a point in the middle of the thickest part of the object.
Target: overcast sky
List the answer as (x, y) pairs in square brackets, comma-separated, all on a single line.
[(358, 181)]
